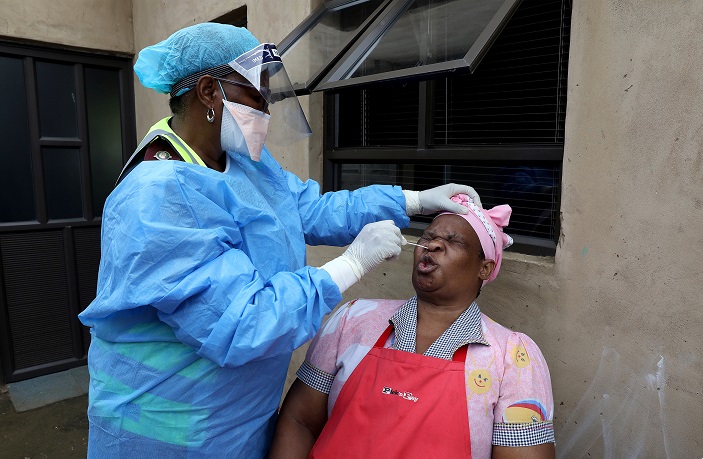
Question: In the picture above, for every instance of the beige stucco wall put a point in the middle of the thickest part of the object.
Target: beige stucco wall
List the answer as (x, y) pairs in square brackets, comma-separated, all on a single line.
[(268, 20), (630, 264), (94, 24), (618, 311)]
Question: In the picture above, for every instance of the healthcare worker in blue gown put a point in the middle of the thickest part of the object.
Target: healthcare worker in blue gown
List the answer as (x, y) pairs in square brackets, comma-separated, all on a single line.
[(203, 290)]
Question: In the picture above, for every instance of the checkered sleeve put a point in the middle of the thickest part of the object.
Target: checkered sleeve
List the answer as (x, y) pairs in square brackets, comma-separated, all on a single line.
[(525, 409), (320, 365), (523, 434), (315, 378)]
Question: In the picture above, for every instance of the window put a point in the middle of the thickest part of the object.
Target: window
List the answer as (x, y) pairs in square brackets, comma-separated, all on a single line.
[(352, 42), (499, 129), (310, 50), (68, 124), (63, 124)]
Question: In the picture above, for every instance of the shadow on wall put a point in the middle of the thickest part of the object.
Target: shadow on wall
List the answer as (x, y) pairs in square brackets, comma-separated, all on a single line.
[(623, 413)]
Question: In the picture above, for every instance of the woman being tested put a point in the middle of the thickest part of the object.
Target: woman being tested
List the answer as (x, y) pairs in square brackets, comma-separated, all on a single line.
[(430, 377), (203, 290)]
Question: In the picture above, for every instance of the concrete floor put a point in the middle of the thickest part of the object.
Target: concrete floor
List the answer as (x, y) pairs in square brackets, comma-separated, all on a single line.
[(58, 430)]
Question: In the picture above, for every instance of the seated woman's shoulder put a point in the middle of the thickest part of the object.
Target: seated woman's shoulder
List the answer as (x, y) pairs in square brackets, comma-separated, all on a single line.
[(367, 317), (370, 309), (494, 326), (500, 333)]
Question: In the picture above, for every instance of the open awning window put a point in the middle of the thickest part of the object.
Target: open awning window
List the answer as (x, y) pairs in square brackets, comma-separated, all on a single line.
[(317, 43), (348, 43)]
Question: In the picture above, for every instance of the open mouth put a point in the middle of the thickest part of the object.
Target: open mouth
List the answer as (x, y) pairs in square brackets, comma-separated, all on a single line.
[(426, 264)]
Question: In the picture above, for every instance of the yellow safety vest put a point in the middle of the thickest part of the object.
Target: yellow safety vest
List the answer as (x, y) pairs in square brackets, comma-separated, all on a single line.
[(163, 130)]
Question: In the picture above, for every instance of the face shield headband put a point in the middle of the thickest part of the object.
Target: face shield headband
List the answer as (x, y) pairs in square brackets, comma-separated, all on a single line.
[(263, 68)]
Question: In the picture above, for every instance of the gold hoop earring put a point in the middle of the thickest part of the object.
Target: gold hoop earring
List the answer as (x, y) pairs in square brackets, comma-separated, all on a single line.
[(210, 115)]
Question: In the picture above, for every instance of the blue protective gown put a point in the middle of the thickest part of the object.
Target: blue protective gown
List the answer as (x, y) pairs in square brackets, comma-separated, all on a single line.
[(203, 294)]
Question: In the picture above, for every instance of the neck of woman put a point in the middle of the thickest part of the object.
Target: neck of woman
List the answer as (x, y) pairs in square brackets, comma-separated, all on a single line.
[(434, 319), (203, 144)]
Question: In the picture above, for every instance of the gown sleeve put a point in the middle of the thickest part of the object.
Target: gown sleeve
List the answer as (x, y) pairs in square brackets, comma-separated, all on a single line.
[(231, 315), (335, 218), (166, 245)]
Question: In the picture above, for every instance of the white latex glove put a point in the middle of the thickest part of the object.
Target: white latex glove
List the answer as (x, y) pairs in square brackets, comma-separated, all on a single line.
[(375, 243), (438, 199)]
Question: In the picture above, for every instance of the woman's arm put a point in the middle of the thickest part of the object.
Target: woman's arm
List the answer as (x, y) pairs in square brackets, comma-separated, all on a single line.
[(302, 417), (543, 451), (523, 424)]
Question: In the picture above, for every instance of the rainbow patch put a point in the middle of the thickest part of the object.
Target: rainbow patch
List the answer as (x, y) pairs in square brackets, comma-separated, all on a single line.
[(525, 411)]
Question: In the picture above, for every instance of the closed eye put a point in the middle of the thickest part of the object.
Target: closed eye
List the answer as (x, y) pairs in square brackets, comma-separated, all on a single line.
[(449, 238), (455, 239)]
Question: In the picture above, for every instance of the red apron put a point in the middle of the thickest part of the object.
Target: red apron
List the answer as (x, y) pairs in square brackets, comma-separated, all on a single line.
[(399, 404)]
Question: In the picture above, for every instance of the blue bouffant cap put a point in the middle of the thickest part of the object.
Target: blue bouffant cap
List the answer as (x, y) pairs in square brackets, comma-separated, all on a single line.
[(191, 50)]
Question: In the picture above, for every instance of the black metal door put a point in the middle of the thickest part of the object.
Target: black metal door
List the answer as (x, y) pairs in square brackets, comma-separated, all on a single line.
[(67, 126)]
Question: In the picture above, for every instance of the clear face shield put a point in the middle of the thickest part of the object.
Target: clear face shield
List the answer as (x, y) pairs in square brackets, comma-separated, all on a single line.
[(263, 68)]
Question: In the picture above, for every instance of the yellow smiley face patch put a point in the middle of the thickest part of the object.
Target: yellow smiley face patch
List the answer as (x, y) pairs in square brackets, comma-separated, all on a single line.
[(480, 381)]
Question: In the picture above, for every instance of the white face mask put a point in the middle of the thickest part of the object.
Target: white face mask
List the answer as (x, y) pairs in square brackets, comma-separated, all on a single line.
[(245, 130)]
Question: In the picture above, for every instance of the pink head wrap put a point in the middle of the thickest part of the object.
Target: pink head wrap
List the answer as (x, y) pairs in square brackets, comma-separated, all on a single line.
[(488, 225)]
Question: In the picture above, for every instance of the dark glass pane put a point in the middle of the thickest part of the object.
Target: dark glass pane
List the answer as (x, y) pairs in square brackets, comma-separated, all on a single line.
[(350, 114), (56, 87), (325, 39), (16, 184), (355, 176), (518, 93), (62, 178), (104, 132), (384, 115), (530, 188), (429, 32)]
